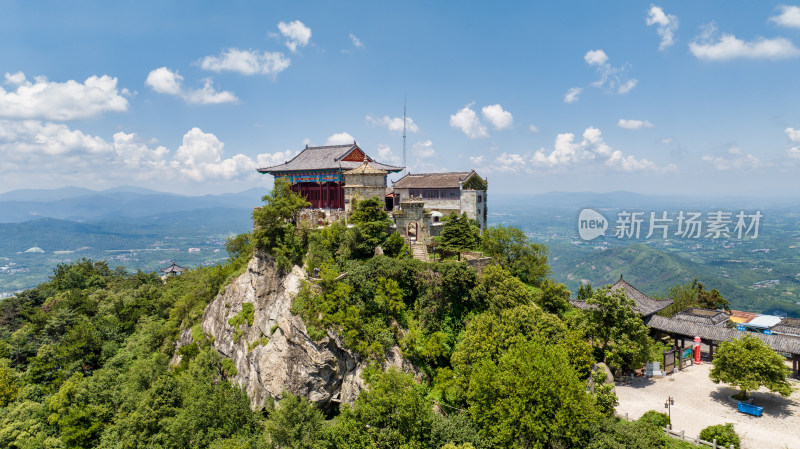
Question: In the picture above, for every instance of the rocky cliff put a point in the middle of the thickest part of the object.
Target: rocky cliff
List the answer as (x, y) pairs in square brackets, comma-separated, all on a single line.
[(271, 348)]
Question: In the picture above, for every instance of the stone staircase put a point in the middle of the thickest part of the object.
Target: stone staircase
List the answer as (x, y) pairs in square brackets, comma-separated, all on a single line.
[(420, 252)]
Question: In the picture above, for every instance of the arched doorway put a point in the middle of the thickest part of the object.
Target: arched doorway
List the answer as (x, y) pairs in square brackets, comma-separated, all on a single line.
[(412, 230)]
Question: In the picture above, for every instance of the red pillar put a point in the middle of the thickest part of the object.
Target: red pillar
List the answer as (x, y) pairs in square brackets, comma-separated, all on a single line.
[(696, 350)]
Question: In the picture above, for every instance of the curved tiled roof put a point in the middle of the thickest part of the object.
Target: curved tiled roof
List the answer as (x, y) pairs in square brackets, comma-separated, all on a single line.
[(780, 343), (702, 316), (644, 304), (326, 158)]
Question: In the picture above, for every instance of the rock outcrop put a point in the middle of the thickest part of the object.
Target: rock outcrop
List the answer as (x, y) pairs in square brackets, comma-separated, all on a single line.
[(271, 348)]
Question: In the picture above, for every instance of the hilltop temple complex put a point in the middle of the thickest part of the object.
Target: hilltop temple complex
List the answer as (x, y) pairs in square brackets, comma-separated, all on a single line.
[(333, 178)]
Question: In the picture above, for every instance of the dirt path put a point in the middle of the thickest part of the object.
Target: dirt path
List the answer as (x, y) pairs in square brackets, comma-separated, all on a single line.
[(700, 403)]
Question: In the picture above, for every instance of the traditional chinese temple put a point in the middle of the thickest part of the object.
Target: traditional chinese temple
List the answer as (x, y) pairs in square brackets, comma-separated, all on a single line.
[(317, 173)]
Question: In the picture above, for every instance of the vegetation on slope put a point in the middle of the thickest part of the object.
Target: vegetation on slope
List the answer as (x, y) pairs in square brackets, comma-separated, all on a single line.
[(84, 358)]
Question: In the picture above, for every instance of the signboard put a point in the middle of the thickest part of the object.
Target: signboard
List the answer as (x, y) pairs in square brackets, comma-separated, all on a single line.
[(739, 327), (767, 332)]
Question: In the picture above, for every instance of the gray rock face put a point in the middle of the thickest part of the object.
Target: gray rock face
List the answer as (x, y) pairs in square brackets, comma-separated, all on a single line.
[(323, 371)]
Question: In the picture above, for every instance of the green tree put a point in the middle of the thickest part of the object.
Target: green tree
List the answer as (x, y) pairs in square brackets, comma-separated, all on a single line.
[(239, 246), (693, 294), (275, 224), (518, 402), (584, 292), (295, 424), (499, 290), (489, 335), (459, 234), (724, 434), (516, 253), (617, 332), (373, 222), (748, 363), (9, 385), (392, 412), (554, 298)]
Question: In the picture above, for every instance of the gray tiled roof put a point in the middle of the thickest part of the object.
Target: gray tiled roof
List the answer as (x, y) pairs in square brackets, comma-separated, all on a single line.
[(432, 180), (788, 326), (780, 343), (702, 316), (325, 158), (643, 304)]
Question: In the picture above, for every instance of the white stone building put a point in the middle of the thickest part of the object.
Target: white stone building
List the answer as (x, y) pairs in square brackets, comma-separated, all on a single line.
[(459, 192)]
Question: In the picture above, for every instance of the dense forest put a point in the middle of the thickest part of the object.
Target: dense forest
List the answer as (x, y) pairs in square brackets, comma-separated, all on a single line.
[(501, 358)]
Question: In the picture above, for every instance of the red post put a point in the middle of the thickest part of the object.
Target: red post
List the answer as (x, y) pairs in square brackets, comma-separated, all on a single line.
[(696, 350)]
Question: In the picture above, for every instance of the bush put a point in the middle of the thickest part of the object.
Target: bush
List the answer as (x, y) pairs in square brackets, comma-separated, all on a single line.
[(655, 418), (724, 434)]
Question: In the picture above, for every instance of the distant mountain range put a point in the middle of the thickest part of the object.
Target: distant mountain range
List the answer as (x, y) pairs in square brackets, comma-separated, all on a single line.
[(79, 204)]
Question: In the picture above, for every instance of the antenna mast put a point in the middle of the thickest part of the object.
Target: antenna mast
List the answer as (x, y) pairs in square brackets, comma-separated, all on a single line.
[(405, 170)]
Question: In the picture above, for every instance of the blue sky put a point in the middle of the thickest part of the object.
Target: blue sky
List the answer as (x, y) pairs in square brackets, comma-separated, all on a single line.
[(677, 97)]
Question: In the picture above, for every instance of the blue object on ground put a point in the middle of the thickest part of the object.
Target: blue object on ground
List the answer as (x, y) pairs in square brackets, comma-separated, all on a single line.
[(750, 409)]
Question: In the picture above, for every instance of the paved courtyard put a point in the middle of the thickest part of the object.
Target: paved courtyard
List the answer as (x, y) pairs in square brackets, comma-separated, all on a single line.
[(700, 403)]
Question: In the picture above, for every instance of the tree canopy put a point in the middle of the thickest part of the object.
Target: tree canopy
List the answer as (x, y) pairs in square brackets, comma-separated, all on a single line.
[(748, 363), (275, 224), (516, 253), (459, 233), (617, 332)]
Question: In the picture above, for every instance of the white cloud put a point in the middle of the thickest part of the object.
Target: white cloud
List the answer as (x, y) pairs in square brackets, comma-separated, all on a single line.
[(533, 128), (710, 45), (572, 95), (200, 158), (595, 57), (794, 137), (789, 16), (165, 81), (20, 140), (424, 149), (387, 156), (137, 155), (393, 124), (468, 122), (71, 100), (271, 159), (666, 25), (735, 158), (247, 62), (634, 124), (296, 34), (356, 41), (62, 151), (476, 160), (611, 78), (627, 86), (793, 134), (340, 139), (498, 117), (667, 140), (567, 152)]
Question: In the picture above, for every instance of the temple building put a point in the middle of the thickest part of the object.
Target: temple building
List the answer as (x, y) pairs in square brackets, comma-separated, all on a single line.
[(318, 173), (364, 182), (459, 192)]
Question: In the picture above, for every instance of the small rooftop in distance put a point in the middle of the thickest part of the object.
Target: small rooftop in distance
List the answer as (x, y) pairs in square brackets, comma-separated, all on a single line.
[(173, 269), (790, 326), (710, 317), (764, 321)]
